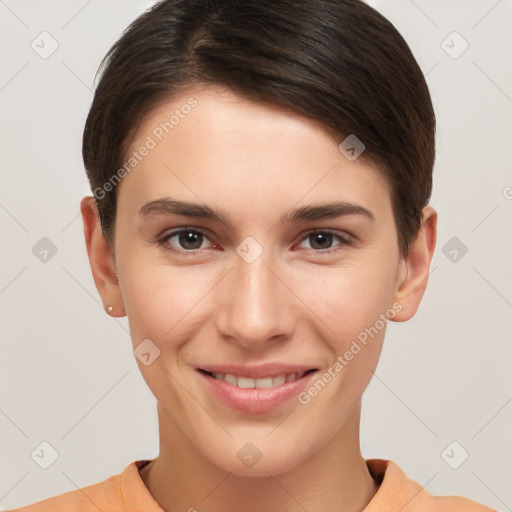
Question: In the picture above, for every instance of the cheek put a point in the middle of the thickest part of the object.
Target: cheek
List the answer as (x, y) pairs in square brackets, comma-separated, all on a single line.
[(351, 302), (161, 300), (349, 298)]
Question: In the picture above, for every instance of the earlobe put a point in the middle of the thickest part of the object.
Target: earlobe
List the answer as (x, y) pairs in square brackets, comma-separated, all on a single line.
[(414, 269), (101, 259)]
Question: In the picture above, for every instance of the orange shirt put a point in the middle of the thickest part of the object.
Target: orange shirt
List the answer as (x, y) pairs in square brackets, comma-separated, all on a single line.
[(127, 493)]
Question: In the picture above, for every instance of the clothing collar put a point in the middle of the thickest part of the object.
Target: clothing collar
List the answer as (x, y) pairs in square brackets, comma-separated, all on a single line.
[(395, 491)]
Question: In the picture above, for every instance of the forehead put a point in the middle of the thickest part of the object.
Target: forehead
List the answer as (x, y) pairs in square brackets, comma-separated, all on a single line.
[(212, 145)]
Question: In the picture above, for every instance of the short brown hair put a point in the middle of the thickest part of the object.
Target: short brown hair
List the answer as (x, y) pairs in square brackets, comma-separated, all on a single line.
[(339, 62)]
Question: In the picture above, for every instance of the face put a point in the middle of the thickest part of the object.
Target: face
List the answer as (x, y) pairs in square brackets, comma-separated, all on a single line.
[(264, 277)]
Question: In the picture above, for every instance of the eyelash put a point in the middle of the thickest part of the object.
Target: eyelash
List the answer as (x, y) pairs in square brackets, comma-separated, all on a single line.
[(344, 241)]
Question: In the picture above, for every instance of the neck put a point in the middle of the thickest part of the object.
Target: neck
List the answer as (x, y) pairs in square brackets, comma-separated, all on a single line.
[(334, 478)]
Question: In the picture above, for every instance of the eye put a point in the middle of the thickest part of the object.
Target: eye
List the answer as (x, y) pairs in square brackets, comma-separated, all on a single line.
[(187, 240), (190, 240), (321, 241)]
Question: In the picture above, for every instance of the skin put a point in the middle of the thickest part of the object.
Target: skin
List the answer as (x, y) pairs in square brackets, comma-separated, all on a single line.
[(292, 304)]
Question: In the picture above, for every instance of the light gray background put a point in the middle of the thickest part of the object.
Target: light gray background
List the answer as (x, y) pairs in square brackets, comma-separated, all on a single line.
[(68, 375)]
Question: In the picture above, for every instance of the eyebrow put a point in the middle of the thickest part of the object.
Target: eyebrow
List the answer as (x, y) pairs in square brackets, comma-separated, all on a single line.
[(169, 206)]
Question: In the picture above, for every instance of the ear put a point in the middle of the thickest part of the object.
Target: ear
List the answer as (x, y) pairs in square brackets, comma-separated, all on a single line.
[(413, 272), (101, 258)]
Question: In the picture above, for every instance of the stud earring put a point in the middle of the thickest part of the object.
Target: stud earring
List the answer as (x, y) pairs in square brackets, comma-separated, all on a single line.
[(109, 309)]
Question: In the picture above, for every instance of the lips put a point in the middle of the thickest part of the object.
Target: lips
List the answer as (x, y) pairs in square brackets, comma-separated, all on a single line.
[(255, 389)]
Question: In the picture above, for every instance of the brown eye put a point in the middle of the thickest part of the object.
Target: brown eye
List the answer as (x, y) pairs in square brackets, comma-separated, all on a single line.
[(185, 240), (322, 241)]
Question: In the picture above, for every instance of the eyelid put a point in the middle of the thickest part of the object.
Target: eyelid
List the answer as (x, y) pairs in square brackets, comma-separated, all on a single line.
[(164, 239), (345, 240)]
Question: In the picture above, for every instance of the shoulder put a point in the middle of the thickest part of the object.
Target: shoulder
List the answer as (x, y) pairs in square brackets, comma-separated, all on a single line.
[(456, 504), (105, 496), (399, 492)]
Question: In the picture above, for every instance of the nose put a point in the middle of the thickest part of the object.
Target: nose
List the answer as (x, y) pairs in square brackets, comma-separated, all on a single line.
[(255, 307)]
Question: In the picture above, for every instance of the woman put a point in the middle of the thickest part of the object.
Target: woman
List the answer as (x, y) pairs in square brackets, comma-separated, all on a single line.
[(261, 173)]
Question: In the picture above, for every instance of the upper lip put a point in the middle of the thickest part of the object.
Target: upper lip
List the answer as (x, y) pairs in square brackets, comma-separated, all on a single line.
[(259, 371)]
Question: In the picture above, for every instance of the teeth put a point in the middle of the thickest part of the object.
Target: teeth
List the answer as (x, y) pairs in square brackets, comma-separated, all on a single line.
[(229, 378), (244, 382), (276, 381), (265, 383)]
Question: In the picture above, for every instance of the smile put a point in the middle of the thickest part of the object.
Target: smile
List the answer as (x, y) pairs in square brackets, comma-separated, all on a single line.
[(263, 383), (266, 390)]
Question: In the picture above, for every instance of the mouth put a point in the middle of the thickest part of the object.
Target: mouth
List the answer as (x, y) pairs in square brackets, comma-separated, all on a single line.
[(268, 382), (255, 390)]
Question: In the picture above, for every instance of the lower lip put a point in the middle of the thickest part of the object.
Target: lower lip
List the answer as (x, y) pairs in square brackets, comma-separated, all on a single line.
[(254, 400)]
